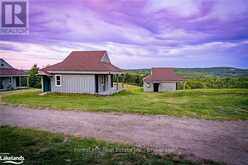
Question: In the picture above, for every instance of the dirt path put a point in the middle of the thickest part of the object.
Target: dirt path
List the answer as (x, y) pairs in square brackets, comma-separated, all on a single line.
[(215, 140)]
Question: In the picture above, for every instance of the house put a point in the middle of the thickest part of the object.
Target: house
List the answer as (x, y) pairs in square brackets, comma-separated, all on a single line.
[(161, 79), (10, 77), (89, 72)]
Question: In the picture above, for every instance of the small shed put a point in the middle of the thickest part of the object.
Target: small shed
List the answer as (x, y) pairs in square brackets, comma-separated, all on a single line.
[(161, 79)]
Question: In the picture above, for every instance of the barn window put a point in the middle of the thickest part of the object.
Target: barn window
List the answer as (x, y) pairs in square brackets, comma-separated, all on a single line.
[(58, 80)]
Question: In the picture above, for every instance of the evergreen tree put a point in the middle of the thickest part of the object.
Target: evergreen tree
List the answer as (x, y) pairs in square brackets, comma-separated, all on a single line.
[(34, 78)]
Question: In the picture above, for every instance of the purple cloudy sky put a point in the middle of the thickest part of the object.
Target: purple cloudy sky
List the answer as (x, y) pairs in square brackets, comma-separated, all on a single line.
[(136, 33)]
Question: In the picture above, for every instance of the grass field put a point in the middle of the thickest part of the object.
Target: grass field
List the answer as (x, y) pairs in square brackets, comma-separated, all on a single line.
[(40, 147), (216, 104)]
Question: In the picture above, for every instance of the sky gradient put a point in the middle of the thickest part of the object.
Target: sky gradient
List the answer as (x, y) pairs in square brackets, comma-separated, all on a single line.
[(136, 33)]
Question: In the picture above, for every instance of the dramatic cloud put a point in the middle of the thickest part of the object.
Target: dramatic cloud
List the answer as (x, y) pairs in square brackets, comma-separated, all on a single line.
[(136, 33)]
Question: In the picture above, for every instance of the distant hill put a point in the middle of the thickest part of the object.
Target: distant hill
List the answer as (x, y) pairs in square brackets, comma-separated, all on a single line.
[(202, 72)]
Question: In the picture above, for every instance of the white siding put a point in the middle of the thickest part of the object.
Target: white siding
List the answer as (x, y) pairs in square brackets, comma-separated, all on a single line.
[(163, 86), (41, 81), (6, 83), (4, 64), (74, 84), (148, 87), (105, 58), (109, 81), (167, 86)]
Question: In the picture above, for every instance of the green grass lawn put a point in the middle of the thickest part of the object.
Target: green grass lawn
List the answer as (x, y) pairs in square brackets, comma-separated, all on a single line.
[(41, 147), (216, 104)]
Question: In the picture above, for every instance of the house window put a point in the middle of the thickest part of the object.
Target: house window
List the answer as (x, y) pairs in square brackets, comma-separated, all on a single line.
[(58, 80), (10, 80)]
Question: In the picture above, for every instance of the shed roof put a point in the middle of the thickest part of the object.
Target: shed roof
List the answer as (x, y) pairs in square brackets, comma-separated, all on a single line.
[(163, 74), (88, 61), (11, 72)]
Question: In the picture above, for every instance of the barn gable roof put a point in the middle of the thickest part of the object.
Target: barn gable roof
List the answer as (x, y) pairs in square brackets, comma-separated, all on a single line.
[(162, 74)]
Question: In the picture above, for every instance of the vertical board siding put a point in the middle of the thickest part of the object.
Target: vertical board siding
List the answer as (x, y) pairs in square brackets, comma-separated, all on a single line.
[(168, 86), (148, 87), (6, 84), (109, 86), (164, 86), (4, 64), (75, 84)]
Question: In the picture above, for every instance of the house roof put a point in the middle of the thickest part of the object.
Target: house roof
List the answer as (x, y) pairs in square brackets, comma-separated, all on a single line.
[(7, 70), (84, 61), (11, 71), (162, 74)]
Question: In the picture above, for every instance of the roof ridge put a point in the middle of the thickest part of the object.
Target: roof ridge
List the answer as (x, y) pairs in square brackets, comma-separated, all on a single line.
[(88, 51), (163, 68)]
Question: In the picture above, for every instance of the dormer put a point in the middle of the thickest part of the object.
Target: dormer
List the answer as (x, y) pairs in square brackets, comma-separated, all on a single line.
[(105, 58)]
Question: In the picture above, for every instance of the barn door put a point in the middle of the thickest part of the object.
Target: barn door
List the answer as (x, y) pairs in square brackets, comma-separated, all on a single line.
[(156, 87)]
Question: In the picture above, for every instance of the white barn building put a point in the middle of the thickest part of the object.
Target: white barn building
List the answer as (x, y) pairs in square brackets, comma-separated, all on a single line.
[(161, 79)]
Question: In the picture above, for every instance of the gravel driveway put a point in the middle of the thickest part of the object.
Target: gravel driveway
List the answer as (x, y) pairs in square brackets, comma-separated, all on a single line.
[(215, 140)]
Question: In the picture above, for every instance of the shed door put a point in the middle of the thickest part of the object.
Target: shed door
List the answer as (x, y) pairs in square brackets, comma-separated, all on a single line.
[(46, 84), (155, 87)]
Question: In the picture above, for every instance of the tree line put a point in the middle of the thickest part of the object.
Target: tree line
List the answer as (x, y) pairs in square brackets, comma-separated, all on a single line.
[(214, 82), (194, 83)]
